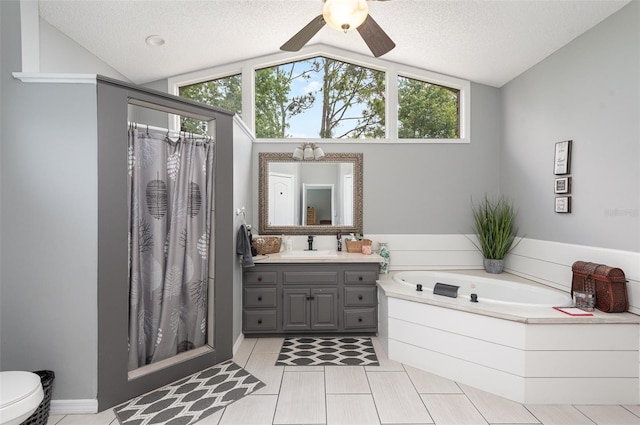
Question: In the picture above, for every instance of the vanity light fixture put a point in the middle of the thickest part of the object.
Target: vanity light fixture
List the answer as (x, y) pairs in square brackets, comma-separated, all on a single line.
[(308, 152)]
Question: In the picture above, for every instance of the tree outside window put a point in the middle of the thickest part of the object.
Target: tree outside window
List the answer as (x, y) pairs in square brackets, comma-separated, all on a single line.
[(319, 98), (224, 93), (329, 99), (427, 111)]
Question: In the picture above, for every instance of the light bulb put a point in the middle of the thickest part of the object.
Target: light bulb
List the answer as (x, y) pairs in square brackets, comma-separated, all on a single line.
[(318, 153), (308, 152), (345, 15), (297, 153)]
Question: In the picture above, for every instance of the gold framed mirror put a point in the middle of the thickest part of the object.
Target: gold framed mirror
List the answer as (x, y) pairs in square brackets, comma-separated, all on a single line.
[(310, 197)]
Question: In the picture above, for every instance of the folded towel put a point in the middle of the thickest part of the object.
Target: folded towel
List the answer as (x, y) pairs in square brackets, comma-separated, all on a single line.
[(243, 246)]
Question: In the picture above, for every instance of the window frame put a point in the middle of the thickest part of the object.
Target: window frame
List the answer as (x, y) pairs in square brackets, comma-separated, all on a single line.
[(392, 70)]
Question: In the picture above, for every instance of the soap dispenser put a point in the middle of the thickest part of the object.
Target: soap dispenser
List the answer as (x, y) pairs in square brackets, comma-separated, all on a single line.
[(339, 237), (289, 244)]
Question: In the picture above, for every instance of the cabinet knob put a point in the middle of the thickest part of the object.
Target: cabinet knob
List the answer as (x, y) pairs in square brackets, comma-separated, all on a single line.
[(259, 298), (360, 278), (360, 297), (259, 321), (359, 319), (259, 278)]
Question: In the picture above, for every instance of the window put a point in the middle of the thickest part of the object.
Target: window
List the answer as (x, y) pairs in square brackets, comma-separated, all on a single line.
[(223, 92), (427, 111), (319, 98), (333, 95)]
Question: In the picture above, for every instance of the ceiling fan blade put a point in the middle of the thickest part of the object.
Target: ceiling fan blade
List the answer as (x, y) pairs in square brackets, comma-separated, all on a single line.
[(301, 38), (378, 41)]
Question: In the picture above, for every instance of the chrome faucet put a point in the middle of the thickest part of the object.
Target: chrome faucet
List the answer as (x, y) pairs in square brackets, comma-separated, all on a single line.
[(310, 241)]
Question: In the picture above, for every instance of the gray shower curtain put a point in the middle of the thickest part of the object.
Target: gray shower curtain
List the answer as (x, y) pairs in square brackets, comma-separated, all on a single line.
[(170, 228)]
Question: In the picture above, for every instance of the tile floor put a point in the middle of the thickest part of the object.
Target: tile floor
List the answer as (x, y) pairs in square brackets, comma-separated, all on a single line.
[(391, 393)]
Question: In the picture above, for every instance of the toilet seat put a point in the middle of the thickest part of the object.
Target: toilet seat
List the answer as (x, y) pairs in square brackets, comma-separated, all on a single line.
[(20, 395)]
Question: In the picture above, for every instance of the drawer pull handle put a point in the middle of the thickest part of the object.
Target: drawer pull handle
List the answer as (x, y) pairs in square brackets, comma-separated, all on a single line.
[(359, 319), (259, 321), (360, 278), (259, 298), (360, 297)]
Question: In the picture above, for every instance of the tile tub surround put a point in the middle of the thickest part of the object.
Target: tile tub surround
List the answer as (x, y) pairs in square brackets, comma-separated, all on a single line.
[(526, 354)]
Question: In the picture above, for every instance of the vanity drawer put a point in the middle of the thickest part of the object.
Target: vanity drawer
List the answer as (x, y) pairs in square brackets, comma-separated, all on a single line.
[(260, 320), (260, 297), (358, 296), (360, 277), (260, 278), (361, 318), (309, 278)]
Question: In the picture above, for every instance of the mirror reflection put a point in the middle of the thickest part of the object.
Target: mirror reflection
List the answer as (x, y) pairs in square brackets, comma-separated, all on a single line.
[(315, 197)]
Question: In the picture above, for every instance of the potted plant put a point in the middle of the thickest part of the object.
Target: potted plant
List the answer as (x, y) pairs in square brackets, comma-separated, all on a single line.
[(494, 228)]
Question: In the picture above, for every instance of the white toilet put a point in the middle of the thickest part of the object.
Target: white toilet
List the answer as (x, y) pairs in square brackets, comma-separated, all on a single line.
[(20, 395)]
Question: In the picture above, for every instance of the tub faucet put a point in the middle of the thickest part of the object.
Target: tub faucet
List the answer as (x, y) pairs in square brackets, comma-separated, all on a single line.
[(310, 241)]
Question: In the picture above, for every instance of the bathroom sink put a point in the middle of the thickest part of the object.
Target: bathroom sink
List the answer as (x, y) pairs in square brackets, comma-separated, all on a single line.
[(323, 253)]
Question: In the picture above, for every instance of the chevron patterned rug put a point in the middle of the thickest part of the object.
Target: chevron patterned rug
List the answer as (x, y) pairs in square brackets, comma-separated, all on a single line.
[(341, 351)]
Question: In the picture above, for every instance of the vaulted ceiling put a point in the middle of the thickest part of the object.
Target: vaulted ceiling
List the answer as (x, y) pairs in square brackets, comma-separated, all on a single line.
[(489, 42)]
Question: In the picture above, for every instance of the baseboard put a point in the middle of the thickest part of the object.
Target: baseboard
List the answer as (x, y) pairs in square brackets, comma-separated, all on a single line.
[(73, 407), (236, 345)]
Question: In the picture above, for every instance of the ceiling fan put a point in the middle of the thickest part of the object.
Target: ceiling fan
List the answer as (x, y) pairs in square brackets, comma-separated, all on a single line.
[(344, 15)]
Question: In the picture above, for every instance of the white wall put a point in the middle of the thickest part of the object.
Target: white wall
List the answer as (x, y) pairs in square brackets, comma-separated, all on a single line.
[(587, 91)]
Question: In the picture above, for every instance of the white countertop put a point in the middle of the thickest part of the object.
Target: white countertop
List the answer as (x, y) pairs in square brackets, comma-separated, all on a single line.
[(523, 314), (340, 257)]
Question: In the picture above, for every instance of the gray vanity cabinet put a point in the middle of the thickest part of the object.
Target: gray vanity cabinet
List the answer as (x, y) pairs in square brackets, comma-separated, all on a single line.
[(310, 298)]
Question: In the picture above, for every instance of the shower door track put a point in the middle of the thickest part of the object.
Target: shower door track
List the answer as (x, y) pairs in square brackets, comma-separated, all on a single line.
[(171, 361)]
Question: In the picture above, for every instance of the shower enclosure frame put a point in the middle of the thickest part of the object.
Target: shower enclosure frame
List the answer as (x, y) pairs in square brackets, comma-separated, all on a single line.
[(115, 384)]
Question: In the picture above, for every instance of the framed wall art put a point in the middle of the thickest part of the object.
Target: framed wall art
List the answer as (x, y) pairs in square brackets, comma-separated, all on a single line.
[(563, 204), (562, 185), (562, 158)]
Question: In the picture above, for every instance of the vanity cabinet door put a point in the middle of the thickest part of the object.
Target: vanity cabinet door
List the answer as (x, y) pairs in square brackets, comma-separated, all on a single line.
[(324, 309), (310, 309), (296, 315)]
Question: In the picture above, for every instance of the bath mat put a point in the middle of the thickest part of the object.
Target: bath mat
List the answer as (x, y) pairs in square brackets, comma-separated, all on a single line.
[(342, 351), (190, 399)]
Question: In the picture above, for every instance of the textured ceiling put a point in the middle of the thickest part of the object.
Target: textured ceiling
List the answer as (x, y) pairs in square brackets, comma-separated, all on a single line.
[(489, 42)]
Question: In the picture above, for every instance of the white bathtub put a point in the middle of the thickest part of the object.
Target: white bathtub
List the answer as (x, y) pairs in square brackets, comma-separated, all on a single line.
[(511, 342), (488, 289)]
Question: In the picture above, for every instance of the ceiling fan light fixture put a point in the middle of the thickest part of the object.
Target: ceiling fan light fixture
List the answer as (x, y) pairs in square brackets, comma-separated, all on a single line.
[(345, 15)]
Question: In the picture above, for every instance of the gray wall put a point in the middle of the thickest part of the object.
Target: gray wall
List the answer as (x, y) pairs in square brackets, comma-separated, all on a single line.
[(58, 53), (589, 92), (424, 188), (48, 224)]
